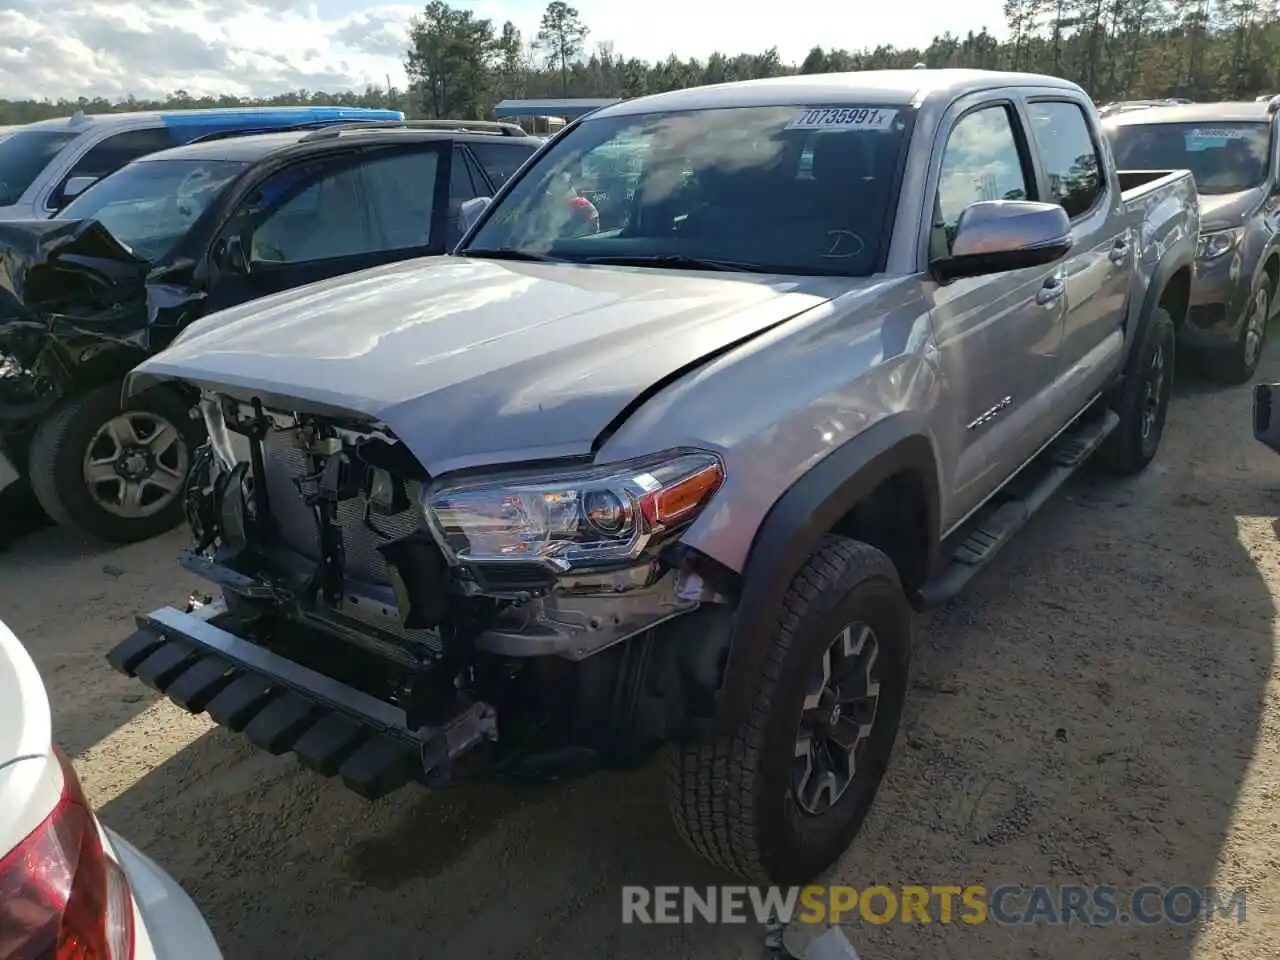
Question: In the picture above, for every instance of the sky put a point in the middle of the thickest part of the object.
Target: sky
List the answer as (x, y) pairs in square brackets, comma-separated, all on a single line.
[(69, 48)]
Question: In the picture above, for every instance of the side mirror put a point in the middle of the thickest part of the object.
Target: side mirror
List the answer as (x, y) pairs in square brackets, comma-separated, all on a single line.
[(233, 257), (994, 236), (76, 186), (470, 213)]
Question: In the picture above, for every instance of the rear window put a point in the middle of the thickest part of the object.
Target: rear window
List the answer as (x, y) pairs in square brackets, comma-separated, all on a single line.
[(1223, 157), (23, 155)]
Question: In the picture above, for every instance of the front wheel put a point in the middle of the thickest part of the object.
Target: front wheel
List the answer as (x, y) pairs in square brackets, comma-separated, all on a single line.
[(1238, 363), (782, 798), (115, 471)]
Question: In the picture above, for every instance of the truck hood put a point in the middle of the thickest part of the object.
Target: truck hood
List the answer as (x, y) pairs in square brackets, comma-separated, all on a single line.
[(471, 362), (1222, 211)]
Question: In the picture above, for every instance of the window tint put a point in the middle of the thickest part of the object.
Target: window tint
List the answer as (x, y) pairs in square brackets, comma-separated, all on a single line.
[(501, 160), (1070, 159), (401, 190), (24, 155), (111, 154), (980, 162), (310, 213)]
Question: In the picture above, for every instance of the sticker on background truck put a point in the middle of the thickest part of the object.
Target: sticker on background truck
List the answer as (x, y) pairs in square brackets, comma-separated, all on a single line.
[(843, 118)]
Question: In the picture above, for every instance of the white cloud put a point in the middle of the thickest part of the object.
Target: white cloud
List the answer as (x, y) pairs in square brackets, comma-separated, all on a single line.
[(68, 48)]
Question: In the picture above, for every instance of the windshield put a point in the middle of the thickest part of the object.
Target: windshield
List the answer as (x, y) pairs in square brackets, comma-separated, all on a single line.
[(23, 154), (150, 206), (1224, 157), (769, 189)]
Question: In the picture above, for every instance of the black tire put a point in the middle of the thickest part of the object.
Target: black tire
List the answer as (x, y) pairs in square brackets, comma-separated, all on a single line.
[(733, 799), (1135, 441), (62, 442), (1238, 363)]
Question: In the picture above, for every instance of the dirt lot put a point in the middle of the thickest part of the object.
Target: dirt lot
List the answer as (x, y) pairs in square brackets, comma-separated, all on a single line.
[(1100, 708)]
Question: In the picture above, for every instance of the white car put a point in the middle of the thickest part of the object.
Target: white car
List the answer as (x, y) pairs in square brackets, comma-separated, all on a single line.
[(69, 887)]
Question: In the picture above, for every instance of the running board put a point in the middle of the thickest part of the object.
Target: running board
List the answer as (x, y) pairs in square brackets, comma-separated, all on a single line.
[(996, 524)]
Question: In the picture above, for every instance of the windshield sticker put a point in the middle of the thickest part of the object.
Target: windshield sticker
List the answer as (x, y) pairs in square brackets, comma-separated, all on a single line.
[(843, 118), (1211, 138)]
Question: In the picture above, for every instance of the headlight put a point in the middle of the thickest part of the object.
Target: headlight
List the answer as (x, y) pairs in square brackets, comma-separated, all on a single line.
[(1217, 244), (574, 519)]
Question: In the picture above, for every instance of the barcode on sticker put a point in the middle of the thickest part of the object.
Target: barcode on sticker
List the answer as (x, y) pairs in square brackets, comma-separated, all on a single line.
[(843, 118)]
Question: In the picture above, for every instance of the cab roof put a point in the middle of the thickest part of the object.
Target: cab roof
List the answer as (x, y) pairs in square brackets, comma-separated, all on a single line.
[(871, 87), (1194, 113)]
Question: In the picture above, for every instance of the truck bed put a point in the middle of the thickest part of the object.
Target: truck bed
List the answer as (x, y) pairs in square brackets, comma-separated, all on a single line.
[(1135, 184)]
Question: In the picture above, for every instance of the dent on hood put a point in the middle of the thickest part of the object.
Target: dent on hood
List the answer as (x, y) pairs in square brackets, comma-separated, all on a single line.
[(73, 278)]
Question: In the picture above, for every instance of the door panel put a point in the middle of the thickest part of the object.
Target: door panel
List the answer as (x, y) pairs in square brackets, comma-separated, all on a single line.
[(998, 336), (1098, 269)]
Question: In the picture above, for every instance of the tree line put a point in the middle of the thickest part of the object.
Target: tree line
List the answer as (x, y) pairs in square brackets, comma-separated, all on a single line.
[(460, 65)]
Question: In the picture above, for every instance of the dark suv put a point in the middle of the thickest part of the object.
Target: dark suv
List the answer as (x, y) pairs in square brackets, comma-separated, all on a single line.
[(174, 236)]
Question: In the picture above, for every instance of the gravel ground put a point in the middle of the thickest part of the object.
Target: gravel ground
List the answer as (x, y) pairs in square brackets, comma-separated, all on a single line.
[(1100, 708)]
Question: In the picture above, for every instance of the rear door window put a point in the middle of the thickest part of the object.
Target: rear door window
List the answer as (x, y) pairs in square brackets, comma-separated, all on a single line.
[(400, 189), (1067, 151)]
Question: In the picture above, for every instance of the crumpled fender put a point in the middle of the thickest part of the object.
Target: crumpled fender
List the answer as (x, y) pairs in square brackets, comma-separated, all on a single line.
[(73, 278)]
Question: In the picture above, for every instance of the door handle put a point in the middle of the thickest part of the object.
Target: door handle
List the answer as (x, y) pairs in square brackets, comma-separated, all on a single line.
[(1120, 252), (1052, 290)]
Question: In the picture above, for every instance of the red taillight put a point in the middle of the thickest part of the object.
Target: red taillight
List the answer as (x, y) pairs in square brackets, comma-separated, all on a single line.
[(61, 896)]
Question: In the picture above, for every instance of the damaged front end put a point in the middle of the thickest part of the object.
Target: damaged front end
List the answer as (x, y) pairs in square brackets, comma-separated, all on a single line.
[(553, 616), (77, 310)]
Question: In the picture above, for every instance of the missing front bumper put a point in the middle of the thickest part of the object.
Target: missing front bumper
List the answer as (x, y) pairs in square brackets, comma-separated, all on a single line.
[(284, 707)]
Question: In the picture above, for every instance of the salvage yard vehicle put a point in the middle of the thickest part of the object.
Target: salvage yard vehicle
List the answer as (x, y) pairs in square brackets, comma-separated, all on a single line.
[(70, 887), (46, 164), (1231, 149), (181, 233), (561, 500)]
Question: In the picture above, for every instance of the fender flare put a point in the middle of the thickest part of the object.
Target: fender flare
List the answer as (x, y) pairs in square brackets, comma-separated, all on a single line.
[(1160, 278), (793, 529)]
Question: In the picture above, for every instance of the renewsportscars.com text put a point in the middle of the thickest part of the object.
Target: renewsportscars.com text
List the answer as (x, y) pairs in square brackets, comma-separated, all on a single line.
[(1006, 905)]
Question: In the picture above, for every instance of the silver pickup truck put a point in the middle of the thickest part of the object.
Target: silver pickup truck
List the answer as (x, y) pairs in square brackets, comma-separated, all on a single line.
[(680, 478)]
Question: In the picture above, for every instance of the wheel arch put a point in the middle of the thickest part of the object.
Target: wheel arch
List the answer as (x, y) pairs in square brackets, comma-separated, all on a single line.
[(1170, 288), (882, 487)]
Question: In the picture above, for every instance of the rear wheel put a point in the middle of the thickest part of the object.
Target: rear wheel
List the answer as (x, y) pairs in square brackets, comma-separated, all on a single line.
[(115, 472), (782, 798), (1143, 401)]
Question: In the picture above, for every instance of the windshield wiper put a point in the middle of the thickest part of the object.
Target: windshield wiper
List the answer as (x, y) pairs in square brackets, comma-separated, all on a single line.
[(506, 253), (676, 261)]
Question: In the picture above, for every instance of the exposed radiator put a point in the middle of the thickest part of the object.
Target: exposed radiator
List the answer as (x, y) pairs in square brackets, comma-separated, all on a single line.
[(284, 464)]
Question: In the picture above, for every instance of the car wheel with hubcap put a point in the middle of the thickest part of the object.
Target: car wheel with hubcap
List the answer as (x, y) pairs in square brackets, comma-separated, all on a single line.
[(780, 799), (115, 472), (1142, 402), (1238, 363)]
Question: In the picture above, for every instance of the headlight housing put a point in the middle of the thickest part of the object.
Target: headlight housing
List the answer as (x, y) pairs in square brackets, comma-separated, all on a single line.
[(1211, 246), (574, 519)]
